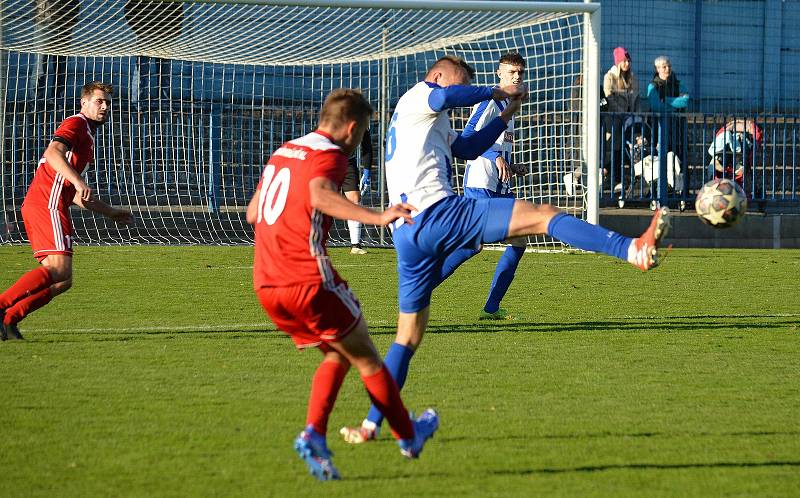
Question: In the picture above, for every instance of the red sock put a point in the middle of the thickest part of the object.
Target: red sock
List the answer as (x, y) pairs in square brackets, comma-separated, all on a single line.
[(27, 285), (385, 395), (324, 389), (28, 305)]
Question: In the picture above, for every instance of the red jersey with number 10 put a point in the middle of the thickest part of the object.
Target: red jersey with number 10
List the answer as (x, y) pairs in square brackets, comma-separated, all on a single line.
[(291, 234), (50, 188)]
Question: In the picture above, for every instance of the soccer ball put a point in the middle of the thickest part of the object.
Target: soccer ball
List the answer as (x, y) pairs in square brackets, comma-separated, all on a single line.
[(721, 203)]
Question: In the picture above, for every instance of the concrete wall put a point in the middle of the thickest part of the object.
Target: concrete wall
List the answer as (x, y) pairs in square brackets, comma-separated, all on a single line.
[(733, 55), (754, 231)]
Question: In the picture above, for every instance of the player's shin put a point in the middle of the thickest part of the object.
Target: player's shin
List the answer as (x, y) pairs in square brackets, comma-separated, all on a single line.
[(396, 362), (455, 259), (325, 387), (503, 276), (27, 285), (583, 235), (28, 305), (354, 228), (385, 397)]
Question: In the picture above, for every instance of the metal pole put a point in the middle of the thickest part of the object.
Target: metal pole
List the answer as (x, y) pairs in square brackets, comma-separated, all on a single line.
[(474, 5), (591, 112), (698, 48), (3, 90), (383, 109)]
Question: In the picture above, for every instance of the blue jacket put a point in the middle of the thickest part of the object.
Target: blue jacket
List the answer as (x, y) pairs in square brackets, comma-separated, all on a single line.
[(669, 103)]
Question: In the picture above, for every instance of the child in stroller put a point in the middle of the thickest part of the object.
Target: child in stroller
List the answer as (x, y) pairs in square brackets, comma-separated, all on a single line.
[(645, 163), (733, 149)]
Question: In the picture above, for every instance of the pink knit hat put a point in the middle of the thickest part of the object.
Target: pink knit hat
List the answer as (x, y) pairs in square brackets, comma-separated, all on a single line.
[(620, 54)]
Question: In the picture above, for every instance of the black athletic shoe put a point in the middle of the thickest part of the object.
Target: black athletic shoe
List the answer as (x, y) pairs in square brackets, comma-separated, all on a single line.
[(12, 332), (8, 331)]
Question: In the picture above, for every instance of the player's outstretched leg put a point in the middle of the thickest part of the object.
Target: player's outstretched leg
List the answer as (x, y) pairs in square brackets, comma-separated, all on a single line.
[(313, 450), (642, 252)]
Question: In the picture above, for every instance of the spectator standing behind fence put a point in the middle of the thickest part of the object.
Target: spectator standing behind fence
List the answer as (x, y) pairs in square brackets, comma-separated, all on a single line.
[(55, 18), (666, 93), (155, 23), (621, 90)]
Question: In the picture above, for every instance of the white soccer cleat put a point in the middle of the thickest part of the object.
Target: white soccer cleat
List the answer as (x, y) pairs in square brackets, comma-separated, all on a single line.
[(358, 251), (367, 431)]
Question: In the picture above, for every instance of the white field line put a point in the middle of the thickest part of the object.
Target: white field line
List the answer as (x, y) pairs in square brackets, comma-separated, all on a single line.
[(200, 268), (238, 327)]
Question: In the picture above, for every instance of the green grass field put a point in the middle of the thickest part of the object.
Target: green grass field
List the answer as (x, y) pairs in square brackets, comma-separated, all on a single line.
[(159, 375)]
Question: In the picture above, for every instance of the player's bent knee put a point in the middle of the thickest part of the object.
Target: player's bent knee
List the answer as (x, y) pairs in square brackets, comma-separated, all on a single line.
[(61, 287), (528, 218), (59, 266)]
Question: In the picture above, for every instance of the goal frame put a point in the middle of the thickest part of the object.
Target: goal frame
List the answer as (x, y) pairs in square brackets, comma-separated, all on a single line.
[(587, 140)]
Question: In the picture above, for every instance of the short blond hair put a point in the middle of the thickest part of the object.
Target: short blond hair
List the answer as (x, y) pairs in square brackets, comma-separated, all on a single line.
[(344, 105), (452, 60), (89, 88)]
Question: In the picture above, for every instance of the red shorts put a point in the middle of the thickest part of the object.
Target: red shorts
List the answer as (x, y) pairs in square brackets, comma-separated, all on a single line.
[(312, 313), (49, 230)]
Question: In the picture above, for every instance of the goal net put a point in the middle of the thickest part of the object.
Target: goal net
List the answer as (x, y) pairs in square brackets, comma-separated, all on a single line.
[(204, 92)]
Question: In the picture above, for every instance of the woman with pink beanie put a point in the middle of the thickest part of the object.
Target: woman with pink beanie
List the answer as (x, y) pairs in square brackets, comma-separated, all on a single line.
[(621, 89)]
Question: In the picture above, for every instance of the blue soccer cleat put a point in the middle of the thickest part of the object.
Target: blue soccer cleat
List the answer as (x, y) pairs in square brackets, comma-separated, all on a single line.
[(313, 449), (424, 427)]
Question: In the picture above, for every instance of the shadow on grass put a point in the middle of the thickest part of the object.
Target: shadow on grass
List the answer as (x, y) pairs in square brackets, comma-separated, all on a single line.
[(644, 324), (646, 466), (635, 435), (633, 324)]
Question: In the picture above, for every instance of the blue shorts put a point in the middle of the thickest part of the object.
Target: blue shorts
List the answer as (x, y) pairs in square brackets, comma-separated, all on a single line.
[(453, 223), (485, 193)]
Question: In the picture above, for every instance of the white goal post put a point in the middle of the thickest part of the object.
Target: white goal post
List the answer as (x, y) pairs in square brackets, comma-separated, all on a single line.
[(205, 90)]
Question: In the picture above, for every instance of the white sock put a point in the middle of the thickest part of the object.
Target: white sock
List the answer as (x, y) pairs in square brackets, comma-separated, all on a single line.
[(632, 252), (355, 232)]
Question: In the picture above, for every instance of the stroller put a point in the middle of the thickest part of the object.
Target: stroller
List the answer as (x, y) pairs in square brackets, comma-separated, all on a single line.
[(733, 149), (645, 163)]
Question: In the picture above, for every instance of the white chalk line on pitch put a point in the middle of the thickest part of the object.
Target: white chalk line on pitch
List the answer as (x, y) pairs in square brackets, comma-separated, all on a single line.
[(233, 327), (193, 268)]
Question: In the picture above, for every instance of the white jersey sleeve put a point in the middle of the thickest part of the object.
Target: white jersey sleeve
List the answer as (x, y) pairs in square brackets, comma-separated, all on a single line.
[(418, 154), (482, 171)]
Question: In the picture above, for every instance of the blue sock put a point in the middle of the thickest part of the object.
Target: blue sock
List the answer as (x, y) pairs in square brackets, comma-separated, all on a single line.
[(503, 275), (454, 260), (588, 237), (397, 359)]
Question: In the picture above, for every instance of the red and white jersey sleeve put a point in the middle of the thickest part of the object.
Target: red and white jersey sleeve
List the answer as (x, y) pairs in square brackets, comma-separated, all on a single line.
[(50, 188), (290, 234)]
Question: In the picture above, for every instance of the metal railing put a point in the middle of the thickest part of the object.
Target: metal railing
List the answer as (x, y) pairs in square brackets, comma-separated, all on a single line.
[(665, 158)]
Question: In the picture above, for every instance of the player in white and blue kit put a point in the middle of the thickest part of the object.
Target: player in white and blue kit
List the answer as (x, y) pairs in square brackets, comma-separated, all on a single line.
[(490, 175), (420, 145)]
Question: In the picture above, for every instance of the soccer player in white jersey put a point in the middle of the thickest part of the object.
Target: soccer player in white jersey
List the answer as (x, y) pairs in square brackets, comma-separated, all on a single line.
[(490, 174), (420, 145)]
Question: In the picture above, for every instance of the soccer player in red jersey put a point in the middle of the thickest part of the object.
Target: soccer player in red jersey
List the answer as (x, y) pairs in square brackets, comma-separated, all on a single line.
[(56, 185), (302, 293)]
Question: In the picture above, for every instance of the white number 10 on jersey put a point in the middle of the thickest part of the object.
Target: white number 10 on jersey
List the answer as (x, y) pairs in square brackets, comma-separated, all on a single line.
[(274, 189)]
